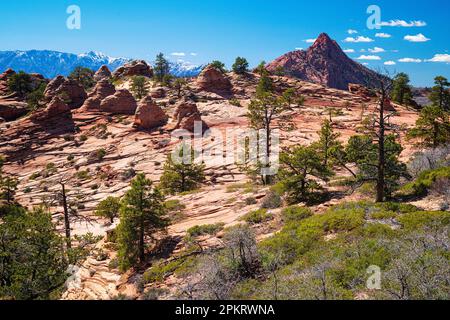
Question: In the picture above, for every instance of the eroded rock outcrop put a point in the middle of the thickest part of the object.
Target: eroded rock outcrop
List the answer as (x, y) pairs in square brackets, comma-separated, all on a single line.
[(55, 108), (122, 102), (102, 74), (134, 68), (4, 80), (149, 115), (213, 80), (187, 115), (67, 89), (11, 109), (360, 90), (103, 89)]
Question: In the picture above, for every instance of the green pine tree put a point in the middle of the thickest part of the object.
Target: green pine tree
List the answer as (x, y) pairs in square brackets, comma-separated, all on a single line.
[(432, 127), (182, 174), (240, 66), (401, 90), (141, 214), (161, 68)]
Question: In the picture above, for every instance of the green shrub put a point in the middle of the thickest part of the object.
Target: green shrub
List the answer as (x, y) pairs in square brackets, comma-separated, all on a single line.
[(207, 229), (271, 201), (295, 213), (257, 217), (174, 205), (424, 182), (415, 220), (250, 201)]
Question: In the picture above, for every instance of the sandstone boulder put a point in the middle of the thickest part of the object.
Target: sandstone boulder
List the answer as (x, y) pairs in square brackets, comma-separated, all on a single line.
[(55, 108), (67, 89), (103, 89), (122, 102), (213, 80), (149, 115), (388, 106), (134, 68), (102, 74), (158, 93), (11, 110), (186, 115)]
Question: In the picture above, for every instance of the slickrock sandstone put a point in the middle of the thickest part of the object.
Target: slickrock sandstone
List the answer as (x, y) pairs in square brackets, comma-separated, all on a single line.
[(134, 68), (102, 74), (66, 89), (149, 115), (122, 102), (213, 80), (55, 108), (186, 115), (103, 89), (324, 63)]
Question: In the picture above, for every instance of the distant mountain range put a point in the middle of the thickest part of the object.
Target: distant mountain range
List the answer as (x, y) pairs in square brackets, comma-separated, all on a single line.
[(53, 63), (325, 63)]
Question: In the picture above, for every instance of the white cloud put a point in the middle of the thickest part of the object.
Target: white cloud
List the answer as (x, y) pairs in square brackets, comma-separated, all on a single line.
[(310, 40), (383, 35), (362, 50), (377, 50), (417, 38), (370, 57), (403, 23), (298, 49), (349, 50), (365, 63), (351, 31), (358, 39), (440, 58), (390, 63), (178, 54), (194, 54), (410, 60)]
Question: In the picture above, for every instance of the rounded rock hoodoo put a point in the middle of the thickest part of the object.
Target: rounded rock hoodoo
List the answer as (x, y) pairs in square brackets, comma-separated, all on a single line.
[(149, 115)]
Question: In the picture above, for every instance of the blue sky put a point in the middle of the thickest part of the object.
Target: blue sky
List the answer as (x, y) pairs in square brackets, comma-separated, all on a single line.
[(204, 30)]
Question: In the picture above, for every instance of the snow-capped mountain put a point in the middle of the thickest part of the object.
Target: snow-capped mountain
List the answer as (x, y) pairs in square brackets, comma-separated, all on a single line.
[(53, 63), (185, 69)]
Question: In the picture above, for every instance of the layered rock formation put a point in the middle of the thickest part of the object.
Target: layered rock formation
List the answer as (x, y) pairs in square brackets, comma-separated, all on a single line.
[(213, 80), (11, 109), (324, 63), (149, 115), (187, 115), (55, 108), (102, 74), (67, 89), (134, 68), (4, 80), (122, 102), (103, 89)]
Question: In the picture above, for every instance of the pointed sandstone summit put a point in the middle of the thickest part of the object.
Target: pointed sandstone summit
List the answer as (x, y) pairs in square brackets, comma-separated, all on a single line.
[(149, 115), (103, 74), (324, 63), (187, 115), (55, 108)]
